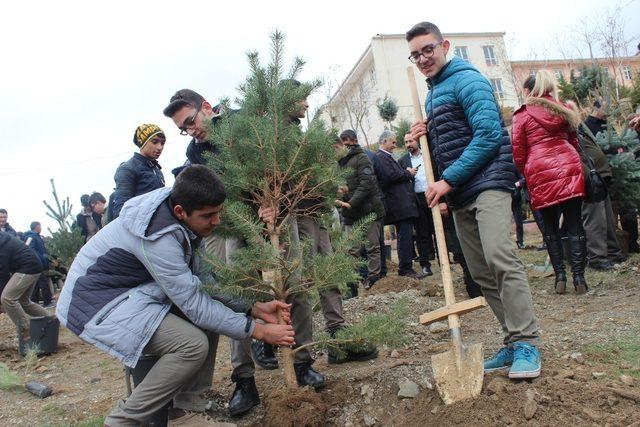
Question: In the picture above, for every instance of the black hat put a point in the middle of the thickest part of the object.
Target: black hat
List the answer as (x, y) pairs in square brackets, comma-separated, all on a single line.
[(349, 134)]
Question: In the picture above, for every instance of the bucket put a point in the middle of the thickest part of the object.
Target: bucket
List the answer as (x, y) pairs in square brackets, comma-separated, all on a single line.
[(44, 334)]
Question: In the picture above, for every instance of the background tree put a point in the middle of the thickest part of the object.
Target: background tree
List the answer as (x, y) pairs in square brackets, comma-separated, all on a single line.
[(388, 110), (65, 242), (267, 161), (401, 130)]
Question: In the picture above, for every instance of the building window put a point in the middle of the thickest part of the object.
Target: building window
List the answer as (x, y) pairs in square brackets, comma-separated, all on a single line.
[(496, 84), (372, 77), (558, 74), (489, 55), (532, 72), (462, 53), (626, 72)]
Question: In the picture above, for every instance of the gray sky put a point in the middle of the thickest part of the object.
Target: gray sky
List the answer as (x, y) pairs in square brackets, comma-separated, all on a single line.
[(78, 77)]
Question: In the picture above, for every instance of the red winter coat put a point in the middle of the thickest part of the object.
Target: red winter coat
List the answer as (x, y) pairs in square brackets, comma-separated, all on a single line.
[(544, 143)]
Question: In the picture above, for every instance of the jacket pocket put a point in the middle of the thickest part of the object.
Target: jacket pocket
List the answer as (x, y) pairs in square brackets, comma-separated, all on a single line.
[(106, 314)]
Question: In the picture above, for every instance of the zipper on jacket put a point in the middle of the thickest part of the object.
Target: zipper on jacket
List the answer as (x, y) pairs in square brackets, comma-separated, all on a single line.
[(111, 310)]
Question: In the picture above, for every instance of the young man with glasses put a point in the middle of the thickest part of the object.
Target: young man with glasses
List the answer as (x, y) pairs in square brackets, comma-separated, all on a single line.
[(475, 171)]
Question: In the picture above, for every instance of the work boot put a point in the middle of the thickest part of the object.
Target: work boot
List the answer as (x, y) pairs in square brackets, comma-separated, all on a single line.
[(426, 271), (578, 250), (370, 281), (306, 375), (554, 247), (350, 353), (264, 355), (603, 265), (24, 338), (244, 397), (353, 290)]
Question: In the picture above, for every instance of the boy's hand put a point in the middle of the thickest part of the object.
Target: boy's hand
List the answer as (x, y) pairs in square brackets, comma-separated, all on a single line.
[(274, 334), (418, 129), (268, 311), (342, 204), (267, 214), (436, 191)]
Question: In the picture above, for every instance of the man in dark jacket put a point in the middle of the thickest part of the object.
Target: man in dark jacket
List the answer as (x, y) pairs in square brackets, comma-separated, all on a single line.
[(383, 252), (603, 249), (195, 116), (472, 152), (4, 225), (399, 201), (424, 223), (20, 268), (42, 290), (141, 173), (361, 198)]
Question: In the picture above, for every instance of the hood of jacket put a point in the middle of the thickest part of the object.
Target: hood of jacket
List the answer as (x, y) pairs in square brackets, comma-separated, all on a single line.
[(551, 115), (142, 218), (352, 151)]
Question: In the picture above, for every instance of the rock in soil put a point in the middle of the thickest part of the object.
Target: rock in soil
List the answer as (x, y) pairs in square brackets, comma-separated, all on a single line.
[(408, 389), (627, 380), (496, 386), (438, 327), (530, 405), (369, 420)]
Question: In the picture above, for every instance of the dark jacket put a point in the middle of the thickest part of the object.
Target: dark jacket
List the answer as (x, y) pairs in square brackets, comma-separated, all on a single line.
[(138, 175), (397, 186), (16, 257), (83, 223), (37, 246), (470, 144), (363, 194), (593, 150), (9, 230), (545, 145)]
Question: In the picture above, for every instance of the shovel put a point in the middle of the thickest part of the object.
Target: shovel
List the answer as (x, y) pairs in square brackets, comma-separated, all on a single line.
[(458, 372)]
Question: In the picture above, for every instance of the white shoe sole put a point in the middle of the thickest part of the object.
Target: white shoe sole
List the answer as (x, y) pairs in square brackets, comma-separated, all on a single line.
[(498, 369), (524, 374)]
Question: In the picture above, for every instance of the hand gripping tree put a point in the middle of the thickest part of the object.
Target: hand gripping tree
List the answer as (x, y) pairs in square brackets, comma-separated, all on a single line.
[(267, 162)]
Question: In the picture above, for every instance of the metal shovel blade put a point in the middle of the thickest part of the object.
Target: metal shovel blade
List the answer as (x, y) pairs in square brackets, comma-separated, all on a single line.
[(458, 383)]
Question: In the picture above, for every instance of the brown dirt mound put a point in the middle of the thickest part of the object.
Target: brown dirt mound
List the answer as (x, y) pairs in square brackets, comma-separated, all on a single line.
[(400, 283), (303, 407)]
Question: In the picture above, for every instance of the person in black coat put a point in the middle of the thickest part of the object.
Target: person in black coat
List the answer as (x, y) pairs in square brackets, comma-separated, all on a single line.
[(399, 200), (20, 268), (141, 173), (89, 221), (4, 225)]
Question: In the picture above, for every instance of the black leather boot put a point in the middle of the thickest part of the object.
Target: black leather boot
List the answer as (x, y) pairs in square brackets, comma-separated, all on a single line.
[(350, 353), (244, 397), (554, 247), (264, 355), (306, 375), (578, 247)]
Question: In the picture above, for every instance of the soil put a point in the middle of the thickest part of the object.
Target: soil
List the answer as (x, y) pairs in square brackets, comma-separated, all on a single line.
[(590, 348)]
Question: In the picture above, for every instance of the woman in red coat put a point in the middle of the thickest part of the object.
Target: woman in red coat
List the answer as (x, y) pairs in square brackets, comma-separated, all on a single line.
[(545, 144)]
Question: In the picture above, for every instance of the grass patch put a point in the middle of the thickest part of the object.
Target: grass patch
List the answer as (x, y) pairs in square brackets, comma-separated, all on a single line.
[(624, 354), (9, 380), (90, 422), (50, 408)]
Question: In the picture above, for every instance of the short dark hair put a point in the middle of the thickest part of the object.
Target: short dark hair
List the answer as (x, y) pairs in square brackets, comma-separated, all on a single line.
[(182, 98), (96, 197), (197, 186), (84, 200), (423, 28), (4, 211), (33, 225), (529, 83), (348, 134)]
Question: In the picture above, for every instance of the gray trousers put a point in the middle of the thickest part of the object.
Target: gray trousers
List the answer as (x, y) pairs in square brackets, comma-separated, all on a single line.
[(372, 246), (600, 229), (484, 228), (183, 373), (16, 300)]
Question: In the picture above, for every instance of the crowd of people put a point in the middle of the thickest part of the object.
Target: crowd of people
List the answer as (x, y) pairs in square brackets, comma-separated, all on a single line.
[(134, 288)]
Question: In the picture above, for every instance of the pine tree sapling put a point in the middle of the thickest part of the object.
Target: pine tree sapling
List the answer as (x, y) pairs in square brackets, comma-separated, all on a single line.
[(269, 164), (401, 130)]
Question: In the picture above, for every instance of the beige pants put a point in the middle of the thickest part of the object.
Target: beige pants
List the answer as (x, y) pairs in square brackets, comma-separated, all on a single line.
[(484, 228), (183, 372), (16, 300)]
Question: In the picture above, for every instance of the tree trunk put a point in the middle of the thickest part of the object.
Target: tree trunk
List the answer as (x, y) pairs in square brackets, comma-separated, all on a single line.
[(287, 355)]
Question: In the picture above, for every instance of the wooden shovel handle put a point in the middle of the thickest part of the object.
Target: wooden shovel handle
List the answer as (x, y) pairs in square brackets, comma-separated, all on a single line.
[(443, 253)]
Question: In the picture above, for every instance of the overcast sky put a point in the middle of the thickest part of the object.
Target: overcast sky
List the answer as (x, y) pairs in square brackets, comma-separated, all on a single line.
[(77, 78)]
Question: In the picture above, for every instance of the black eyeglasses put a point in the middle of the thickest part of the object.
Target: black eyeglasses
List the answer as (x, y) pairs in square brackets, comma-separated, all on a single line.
[(426, 52), (189, 123)]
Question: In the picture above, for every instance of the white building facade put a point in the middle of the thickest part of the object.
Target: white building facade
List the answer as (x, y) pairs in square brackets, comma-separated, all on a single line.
[(382, 71)]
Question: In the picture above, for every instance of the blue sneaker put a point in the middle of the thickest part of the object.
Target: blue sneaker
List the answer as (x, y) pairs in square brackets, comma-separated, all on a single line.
[(501, 360), (526, 361)]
